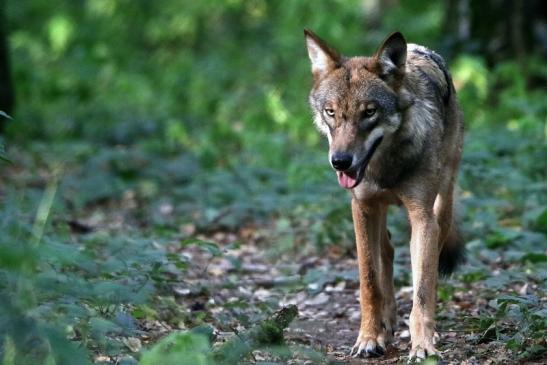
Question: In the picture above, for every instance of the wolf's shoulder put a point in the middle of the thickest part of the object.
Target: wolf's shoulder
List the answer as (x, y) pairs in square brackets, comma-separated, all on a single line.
[(428, 68), (417, 52)]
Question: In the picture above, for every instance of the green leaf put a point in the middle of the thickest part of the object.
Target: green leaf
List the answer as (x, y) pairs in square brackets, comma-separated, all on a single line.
[(513, 299), (534, 257), (474, 276), (204, 330), (179, 348), (100, 327), (540, 223), (208, 246), (501, 238)]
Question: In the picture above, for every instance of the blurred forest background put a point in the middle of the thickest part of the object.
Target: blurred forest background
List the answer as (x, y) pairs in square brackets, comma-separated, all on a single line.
[(147, 137)]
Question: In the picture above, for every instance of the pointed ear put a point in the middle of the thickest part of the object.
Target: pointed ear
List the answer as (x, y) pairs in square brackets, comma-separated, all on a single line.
[(323, 58), (391, 56)]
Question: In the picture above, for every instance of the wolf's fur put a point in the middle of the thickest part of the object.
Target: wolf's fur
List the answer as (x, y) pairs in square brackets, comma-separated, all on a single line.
[(396, 116)]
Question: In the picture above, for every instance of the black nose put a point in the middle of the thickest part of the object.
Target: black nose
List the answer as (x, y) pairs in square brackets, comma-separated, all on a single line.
[(341, 160)]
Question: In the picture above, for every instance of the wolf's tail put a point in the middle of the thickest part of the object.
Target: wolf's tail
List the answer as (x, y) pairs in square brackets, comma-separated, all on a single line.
[(452, 253)]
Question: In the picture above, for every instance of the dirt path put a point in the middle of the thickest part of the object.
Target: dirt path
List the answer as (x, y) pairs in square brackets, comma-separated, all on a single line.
[(325, 289)]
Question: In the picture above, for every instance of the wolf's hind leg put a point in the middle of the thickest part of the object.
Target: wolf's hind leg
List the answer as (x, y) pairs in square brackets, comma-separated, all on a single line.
[(389, 308)]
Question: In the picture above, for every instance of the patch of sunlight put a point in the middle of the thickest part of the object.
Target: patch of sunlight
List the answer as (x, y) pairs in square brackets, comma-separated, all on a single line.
[(60, 31), (466, 194), (275, 107), (183, 25), (513, 125), (256, 10), (101, 7), (471, 71)]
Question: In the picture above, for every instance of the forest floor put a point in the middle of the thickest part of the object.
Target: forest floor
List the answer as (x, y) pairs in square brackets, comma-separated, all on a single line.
[(230, 289), (234, 278)]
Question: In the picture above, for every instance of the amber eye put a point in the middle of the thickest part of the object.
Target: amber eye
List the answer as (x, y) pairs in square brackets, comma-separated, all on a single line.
[(370, 111), (329, 112)]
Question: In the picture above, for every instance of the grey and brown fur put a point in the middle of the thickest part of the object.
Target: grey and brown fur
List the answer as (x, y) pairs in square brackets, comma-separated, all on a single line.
[(395, 117)]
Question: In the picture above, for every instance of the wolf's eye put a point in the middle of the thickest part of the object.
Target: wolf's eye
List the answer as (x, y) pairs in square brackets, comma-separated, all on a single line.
[(329, 112), (370, 111)]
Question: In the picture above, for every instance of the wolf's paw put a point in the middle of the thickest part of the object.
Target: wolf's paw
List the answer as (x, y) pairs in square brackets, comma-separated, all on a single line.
[(369, 346), (421, 352), (422, 336)]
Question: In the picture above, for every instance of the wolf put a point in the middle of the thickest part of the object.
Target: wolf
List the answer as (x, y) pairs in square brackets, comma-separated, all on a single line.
[(395, 133)]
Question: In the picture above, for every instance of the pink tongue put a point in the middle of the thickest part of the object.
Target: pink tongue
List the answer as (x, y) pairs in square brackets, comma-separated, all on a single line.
[(345, 181)]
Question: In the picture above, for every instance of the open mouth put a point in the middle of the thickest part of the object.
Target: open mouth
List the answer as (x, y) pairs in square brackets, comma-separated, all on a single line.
[(351, 178)]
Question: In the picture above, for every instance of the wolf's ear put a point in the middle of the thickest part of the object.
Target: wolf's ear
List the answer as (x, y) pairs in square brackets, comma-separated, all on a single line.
[(391, 56), (323, 57)]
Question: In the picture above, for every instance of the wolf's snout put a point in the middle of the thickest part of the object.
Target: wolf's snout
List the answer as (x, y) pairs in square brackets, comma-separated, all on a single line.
[(341, 161)]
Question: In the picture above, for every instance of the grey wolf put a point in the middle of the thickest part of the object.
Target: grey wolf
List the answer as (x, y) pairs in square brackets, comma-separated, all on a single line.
[(395, 133)]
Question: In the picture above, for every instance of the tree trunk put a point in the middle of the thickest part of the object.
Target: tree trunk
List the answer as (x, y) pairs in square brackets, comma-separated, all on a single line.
[(7, 97), (498, 30)]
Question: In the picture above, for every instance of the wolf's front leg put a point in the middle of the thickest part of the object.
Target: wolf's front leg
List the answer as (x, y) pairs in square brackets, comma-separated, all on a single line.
[(424, 252), (368, 221)]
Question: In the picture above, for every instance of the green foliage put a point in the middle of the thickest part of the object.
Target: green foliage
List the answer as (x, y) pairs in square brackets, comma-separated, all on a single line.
[(520, 322), (140, 70), (179, 348), (193, 347), (501, 97), (50, 282), (540, 220)]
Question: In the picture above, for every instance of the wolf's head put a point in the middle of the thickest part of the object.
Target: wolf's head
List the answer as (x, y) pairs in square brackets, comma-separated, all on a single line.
[(357, 102)]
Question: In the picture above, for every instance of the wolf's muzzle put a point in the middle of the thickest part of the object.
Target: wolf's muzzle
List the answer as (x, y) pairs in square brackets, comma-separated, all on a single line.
[(341, 161)]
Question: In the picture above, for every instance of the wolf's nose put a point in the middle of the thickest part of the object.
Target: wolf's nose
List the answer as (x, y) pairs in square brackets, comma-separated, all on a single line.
[(341, 160)]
